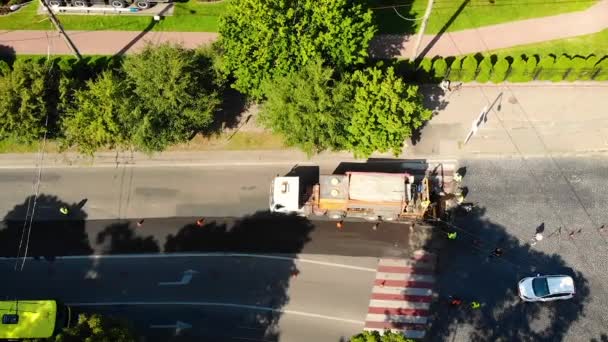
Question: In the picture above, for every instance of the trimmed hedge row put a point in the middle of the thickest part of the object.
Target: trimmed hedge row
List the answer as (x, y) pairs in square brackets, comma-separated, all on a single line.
[(513, 69)]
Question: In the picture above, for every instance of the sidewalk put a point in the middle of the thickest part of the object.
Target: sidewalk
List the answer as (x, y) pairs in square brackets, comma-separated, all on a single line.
[(534, 120), (592, 20)]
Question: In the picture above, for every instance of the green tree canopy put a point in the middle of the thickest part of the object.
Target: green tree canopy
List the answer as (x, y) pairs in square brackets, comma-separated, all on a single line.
[(99, 115), (176, 94), (97, 328), (263, 39), (26, 97), (308, 108), (384, 112)]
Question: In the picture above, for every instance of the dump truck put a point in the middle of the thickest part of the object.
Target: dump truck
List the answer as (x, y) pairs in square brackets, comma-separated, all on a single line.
[(371, 196)]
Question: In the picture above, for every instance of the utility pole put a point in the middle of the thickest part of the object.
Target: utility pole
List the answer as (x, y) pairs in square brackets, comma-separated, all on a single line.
[(59, 28), (427, 15)]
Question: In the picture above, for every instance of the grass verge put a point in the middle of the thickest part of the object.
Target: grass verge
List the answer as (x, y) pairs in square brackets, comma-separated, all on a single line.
[(240, 141), (191, 16), (195, 16), (462, 14), (596, 44)]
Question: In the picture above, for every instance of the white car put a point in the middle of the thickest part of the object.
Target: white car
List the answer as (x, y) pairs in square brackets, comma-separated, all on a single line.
[(546, 288)]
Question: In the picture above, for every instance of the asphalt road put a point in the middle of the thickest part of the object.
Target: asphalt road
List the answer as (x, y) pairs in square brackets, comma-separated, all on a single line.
[(102, 193), (227, 298), (515, 198)]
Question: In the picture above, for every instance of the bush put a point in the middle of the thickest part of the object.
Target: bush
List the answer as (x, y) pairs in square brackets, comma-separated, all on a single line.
[(423, 73), (500, 70), (469, 69), (485, 69), (518, 70), (531, 68), (589, 70), (440, 68), (602, 70), (578, 68), (562, 67), (545, 68), (455, 73)]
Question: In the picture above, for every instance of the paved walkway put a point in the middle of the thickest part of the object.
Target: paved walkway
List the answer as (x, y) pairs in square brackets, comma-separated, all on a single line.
[(592, 20)]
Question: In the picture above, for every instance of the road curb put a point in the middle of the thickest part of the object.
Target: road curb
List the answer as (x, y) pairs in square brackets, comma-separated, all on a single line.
[(247, 158)]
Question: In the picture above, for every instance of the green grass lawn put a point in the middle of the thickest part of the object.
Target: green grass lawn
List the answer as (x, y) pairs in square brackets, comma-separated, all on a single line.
[(475, 13), (198, 16), (189, 16), (596, 43)]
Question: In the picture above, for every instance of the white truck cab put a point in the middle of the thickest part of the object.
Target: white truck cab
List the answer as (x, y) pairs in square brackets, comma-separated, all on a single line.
[(285, 196)]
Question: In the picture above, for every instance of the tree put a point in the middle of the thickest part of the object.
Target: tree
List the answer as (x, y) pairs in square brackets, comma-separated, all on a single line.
[(99, 115), (176, 95), (263, 39), (25, 96), (97, 328), (308, 108), (374, 336), (384, 112)]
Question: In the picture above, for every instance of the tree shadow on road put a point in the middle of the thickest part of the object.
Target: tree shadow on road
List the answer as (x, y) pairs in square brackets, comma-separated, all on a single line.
[(467, 270), (52, 233), (120, 238), (263, 232)]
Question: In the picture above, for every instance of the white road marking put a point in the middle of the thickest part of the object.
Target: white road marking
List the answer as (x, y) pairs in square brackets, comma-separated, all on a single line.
[(207, 255), (405, 276), (406, 333), (412, 291), (397, 304), (228, 305), (186, 278), (395, 318), (406, 263)]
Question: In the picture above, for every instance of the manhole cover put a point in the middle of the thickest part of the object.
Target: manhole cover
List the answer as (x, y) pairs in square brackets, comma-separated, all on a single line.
[(512, 100)]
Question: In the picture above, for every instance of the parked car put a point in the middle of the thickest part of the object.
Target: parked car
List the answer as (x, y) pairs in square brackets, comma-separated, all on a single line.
[(546, 288)]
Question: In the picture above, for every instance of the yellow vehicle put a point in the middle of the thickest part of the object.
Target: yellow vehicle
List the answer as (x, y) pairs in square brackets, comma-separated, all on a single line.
[(29, 319)]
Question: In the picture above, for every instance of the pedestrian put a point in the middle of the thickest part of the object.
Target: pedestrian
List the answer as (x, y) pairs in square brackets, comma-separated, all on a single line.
[(602, 229), (200, 222), (573, 233), (64, 210), (537, 237), (452, 235), (140, 223), (340, 224), (457, 177), (455, 301), (475, 305), (375, 226), (382, 283), (295, 273), (445, 85), (497, 252)]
